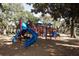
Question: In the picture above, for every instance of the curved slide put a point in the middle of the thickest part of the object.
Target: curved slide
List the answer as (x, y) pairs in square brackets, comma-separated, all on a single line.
[(31, 40), (28, 42)]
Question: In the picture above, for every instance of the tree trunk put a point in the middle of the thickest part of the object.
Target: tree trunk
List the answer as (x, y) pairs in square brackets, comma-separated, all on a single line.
[(46, 33), (72, 27)]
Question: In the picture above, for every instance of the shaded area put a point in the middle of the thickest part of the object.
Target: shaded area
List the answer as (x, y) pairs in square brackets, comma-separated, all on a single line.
[(23, 52), (43, 48)]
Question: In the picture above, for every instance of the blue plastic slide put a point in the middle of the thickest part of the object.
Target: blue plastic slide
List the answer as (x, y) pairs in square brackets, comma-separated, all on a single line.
[(28, 42), (31, 40)]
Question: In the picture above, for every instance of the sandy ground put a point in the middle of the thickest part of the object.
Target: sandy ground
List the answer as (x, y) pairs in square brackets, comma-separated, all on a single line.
[(65, 46)]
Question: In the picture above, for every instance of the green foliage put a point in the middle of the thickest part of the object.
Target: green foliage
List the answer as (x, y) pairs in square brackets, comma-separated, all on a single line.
[(12, 12), (57, 9)]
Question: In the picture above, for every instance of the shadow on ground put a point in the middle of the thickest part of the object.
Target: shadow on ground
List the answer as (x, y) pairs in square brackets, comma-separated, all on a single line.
[(43, 48)]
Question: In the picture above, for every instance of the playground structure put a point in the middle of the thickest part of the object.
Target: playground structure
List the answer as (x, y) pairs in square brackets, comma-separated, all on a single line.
[(21, 32), (34, 31), (27, 34), (46, 31)]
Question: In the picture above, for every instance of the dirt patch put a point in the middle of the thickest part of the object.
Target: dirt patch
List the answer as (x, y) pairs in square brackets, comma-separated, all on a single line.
[(40, 48)]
